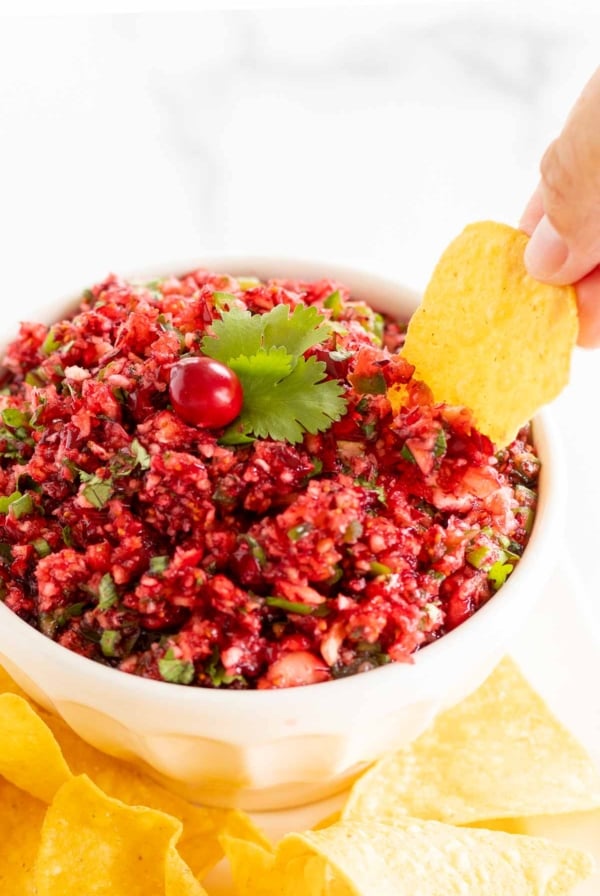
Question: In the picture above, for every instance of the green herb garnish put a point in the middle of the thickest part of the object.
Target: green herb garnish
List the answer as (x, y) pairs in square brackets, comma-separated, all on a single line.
[(174, 670), (97, 491), (285, 394), (158, 564), (107, 592)]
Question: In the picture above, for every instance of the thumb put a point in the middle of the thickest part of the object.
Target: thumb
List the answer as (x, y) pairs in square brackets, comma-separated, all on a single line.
[(565, 245)]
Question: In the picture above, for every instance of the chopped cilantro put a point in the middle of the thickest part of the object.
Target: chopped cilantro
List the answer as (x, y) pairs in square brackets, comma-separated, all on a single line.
[(256, 549), (299, 531), (97, 491), (335, 303), (174, 670), (224, 299), (354, 530), (14, 418), (407, 454), (158, 564), (36, 378), (50, 343), (108, 641), (107, 593), (440, 444), (216, 672), (368, 385), (67, 536), (51, 622), (141, 455)]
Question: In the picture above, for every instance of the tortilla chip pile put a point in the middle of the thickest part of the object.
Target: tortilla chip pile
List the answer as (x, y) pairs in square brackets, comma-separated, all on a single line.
[(443, 816), (489, 337)]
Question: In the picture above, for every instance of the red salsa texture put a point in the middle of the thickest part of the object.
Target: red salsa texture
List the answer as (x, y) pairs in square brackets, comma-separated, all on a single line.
[(167, 550)]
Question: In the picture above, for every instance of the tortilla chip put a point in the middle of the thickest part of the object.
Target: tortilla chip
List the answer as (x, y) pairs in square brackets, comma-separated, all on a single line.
[(30, 757), (252, 867), (581, 830), (488, 336), (498, 753), (21, 818), (93, 844), (433, 859), (199, 844)]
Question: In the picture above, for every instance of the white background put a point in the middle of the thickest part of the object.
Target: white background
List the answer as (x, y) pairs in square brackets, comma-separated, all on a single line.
[(368, 135)]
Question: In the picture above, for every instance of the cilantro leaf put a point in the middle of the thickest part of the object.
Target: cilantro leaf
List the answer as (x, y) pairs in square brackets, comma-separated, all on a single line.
[(97, 491), (107, 593), (174, 670), (281, 403), (238, 332), (297, 331)]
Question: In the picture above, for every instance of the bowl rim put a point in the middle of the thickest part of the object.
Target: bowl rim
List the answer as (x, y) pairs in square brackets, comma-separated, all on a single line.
[(426, 662)]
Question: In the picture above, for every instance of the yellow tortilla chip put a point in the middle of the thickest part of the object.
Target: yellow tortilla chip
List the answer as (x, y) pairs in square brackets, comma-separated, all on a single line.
[(252, 867), (499, 753), (488, 336), (21, 818), (93, 844), (47, 770), (29, 755), (432, 859)]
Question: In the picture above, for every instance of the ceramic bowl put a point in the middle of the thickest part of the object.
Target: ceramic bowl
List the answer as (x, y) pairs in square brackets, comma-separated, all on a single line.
[(275, 749)]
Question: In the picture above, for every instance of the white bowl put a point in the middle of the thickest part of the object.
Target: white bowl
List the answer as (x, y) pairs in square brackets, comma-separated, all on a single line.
[(275, 749)]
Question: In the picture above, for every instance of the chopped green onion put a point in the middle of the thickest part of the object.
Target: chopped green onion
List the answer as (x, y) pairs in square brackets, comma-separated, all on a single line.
[(108, 641), (42, 547), (290, 606), (379, 569), (498, 573), (256, 549), (479, 556), (22, 506)]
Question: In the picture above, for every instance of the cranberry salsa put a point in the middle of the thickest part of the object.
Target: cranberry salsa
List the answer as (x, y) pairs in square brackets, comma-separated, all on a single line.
[(232, 484)]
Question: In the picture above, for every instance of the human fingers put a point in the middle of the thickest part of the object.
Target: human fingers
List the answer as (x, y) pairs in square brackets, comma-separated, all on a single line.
[(565, 244)]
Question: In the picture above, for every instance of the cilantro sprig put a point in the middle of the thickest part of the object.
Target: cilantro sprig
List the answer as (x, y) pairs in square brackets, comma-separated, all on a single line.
[(285, 394)]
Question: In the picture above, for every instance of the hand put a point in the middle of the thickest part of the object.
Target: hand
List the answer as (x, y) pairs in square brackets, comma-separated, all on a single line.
[(563, 215)]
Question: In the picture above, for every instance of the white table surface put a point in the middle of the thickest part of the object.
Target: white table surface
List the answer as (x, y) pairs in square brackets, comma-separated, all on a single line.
[(370, 136)]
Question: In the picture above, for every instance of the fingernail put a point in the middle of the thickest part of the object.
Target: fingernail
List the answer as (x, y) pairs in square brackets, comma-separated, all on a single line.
[(546, 251)]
